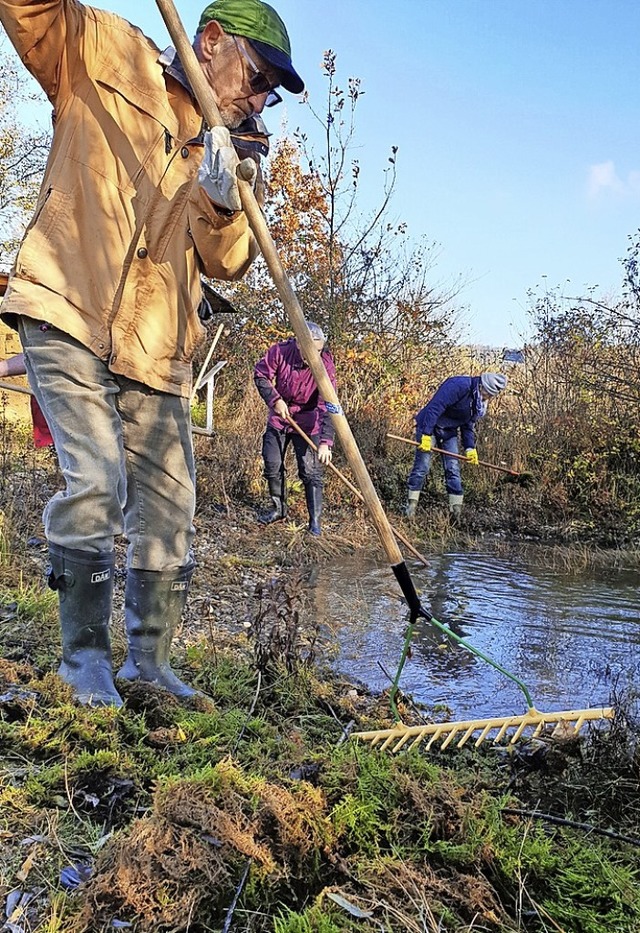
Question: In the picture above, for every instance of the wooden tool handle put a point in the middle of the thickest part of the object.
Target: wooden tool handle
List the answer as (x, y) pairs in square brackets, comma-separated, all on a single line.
[(447, 453)]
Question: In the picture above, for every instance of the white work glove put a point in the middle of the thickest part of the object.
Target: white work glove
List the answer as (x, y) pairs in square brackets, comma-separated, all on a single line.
[(281, 409), (217, 173), (324, 454)]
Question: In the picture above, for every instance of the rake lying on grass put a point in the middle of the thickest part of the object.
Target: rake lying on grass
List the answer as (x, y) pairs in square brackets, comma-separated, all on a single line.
[(529, 724), (398, 737), (567, 723)]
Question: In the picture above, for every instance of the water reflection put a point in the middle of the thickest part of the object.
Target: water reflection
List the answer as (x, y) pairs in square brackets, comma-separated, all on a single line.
[(570, 637)]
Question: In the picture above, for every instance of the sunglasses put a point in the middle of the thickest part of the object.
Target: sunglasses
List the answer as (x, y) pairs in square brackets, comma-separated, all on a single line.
[(258, 82)]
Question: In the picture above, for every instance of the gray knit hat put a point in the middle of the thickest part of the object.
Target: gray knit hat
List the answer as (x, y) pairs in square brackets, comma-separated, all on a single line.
[(492, 383), (316, 331)]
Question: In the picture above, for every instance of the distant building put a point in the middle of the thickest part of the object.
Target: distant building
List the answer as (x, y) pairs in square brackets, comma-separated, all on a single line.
[(512, 356)]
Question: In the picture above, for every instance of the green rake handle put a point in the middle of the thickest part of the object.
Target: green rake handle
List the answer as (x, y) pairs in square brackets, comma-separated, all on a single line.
[(418, 611)]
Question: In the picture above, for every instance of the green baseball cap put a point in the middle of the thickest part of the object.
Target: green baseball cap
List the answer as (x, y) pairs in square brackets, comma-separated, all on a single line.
[(260, 24)]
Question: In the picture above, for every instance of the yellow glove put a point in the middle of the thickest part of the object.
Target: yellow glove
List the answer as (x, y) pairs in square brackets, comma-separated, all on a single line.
[(472, 456), (425, 443)]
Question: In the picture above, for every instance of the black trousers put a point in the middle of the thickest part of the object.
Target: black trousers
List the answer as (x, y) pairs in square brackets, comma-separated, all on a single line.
[(274, 448)]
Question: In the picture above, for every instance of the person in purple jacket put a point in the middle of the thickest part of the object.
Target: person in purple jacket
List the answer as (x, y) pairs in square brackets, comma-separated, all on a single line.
[(287, 386), (457, 405)]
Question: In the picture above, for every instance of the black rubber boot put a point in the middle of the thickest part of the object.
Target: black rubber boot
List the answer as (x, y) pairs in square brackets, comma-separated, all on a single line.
[(314, 505), (84, 581), (279, 510), (153, 605)]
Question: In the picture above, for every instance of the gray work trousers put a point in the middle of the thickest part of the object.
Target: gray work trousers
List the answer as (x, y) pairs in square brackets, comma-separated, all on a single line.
[(125, 452)]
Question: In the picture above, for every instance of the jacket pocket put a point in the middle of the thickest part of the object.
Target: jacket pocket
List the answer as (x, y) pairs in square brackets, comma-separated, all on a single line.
[(39, 241), (142, 136), (51, 254)]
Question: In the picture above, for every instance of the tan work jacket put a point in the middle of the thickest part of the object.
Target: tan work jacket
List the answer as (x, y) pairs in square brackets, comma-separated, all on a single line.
[(121, 231)]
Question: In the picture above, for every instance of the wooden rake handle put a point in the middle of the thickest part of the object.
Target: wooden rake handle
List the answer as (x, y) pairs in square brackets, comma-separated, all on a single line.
[(446, 453), (257, 223), (356, 492)]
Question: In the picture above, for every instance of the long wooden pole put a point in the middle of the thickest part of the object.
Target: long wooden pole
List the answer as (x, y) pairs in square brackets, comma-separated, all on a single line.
[(446, 453), (257, 223), (357, 493)]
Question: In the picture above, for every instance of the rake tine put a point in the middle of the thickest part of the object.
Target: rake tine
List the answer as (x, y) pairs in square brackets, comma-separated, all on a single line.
[(449, 739), (579, 724), (502, 731), (518, 732), (485, 732), (400, 744), (446, 741), (391, 738), (465, 738), (420, 738), (403, 740), (436, 735)]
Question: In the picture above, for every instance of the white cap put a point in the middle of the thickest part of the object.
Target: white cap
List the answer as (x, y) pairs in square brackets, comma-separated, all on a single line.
[(492, 383), (316, 331)]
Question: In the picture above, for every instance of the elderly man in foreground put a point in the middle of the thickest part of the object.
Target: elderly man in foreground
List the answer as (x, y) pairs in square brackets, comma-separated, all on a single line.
[(138, 200)]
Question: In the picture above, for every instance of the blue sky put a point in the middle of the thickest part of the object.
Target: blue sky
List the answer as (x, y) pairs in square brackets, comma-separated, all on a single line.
[(517, 127)]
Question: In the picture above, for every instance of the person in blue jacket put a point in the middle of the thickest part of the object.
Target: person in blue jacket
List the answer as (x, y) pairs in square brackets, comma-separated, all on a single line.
[(457, 405)]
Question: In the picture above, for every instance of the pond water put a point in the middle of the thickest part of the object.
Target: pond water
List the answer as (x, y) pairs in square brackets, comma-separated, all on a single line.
[(572, 637)]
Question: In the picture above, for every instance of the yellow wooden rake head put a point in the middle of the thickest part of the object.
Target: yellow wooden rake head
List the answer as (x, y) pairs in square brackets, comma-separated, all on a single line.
[(498, 728)]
